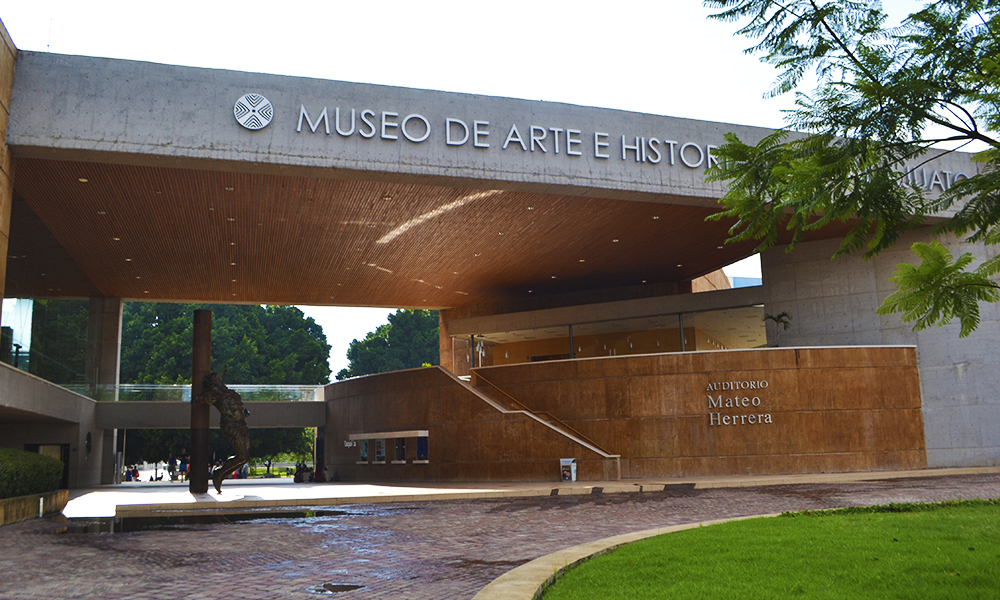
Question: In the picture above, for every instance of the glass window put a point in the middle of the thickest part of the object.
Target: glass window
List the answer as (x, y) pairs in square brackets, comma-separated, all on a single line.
[(363, 449), (379, 450), (422, 448), (400, 449)]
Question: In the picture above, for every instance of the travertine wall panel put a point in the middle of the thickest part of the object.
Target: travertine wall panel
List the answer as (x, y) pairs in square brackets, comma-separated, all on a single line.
[(821, 409)]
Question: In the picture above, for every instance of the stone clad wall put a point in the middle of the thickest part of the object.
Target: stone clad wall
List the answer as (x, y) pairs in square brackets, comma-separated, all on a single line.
[(667, 415), (469, 439), (819, 409)]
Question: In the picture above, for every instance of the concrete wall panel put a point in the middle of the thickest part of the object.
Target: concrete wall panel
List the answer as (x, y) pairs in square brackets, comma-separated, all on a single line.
[(835, 305)]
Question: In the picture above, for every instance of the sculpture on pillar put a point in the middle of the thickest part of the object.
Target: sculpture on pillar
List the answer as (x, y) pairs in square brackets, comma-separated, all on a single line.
[(232, 419)]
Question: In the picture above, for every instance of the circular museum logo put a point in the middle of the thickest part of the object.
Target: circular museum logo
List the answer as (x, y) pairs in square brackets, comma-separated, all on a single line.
[(253, 111)]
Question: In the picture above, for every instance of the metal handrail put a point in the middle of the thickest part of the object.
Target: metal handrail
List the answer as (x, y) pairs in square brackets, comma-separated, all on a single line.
[(546, 413)]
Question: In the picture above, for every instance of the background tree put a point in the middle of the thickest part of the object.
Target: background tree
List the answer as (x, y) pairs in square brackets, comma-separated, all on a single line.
[(782, 319), (884, 97), (59, 340), (250, 344), (266, 444), (408, 340)]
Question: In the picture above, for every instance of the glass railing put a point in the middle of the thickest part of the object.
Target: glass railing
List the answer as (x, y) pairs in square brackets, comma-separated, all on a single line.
[(141, 392)]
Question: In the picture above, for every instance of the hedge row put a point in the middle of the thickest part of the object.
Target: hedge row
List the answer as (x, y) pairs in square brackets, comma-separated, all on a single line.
[(25, 473)]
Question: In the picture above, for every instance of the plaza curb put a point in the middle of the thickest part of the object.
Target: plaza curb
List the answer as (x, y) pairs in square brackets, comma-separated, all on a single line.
[(530, 580)]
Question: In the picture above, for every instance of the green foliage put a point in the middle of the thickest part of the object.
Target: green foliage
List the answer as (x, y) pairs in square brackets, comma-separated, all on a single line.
[(250, 344), (152, 445), (898, 507), (940, 289), (266, 445), (782, 319), (409, 340), (883, 97), (59, 340), (896, 551), (25, 473)]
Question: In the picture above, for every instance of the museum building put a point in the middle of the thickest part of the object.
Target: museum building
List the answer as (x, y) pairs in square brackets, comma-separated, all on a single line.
[(583, 311)]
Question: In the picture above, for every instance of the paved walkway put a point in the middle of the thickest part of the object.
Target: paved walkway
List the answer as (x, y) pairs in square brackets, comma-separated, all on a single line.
[(409, 549)]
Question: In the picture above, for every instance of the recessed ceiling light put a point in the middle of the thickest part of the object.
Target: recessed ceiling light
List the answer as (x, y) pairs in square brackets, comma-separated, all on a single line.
[(499, 233), (644, 281), (101, 212), (583, 260), (229, 188), (529, 291), (531, 208), (234, 281), (680, 265), (655, 218), (117, 239), (232, 264), (553, 277), (454, 272), (138, 277), (231, 219), (615, 241), (477, 254), (387, 197), (145, 291), (128, 260), (232, 243), (83, 180), (718, 247)]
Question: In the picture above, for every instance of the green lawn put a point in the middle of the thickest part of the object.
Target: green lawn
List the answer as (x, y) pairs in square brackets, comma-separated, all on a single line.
[(913, 551)]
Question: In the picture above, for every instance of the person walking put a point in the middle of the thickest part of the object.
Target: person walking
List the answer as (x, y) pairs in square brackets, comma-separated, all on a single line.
[(185, 460)]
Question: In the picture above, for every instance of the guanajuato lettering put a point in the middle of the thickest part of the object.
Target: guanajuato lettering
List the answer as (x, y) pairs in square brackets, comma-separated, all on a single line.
[(526, 137), (735, 400)]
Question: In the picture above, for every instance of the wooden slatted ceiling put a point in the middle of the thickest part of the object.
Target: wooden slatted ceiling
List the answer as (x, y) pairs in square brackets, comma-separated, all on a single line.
[(190, 235)]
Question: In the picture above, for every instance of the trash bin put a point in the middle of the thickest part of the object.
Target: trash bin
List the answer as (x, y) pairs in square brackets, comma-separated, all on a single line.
[(567, 467)]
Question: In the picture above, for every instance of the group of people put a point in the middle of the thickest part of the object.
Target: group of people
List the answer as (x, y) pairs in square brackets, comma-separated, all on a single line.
[(177, 466)]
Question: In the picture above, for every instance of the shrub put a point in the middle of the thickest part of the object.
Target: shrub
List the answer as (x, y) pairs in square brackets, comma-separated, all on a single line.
[(26, 473)]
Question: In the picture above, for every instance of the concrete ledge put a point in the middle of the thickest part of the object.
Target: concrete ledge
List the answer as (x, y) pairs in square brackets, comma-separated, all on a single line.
[(23, 508), (530, 580), (332, 495)]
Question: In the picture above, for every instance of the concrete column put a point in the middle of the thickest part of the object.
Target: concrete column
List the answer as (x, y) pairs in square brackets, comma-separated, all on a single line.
[(8, 54), (101, 370), (104, 342)]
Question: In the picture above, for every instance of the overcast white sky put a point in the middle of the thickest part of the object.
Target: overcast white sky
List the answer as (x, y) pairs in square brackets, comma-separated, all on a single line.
[(654, 57)]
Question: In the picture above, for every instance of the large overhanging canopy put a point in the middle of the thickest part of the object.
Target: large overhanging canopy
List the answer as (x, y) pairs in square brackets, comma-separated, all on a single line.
[(138, 181)]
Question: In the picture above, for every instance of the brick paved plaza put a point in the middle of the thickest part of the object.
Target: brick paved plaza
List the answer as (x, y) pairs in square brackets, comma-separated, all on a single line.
[(436, 549)]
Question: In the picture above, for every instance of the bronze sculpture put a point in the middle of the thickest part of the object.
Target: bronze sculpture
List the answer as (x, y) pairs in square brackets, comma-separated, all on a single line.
[(232, 419)]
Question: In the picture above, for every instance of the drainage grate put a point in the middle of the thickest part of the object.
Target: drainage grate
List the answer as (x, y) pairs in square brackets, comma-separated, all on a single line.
[(333, 588)]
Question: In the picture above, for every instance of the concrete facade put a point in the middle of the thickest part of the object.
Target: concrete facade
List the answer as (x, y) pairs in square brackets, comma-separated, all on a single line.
[(833, 302), (8, 57), (38, 412)]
